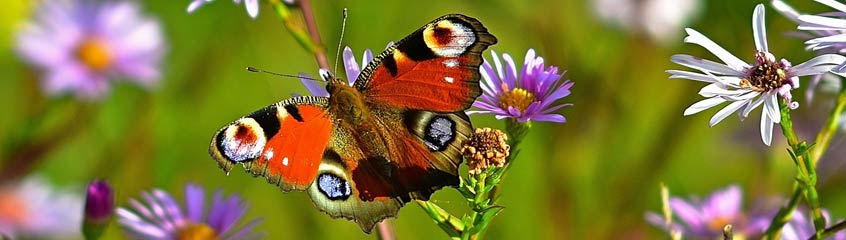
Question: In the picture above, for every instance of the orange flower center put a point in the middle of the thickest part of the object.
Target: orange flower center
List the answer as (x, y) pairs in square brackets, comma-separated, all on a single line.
[(718, 223), (12, 208), (194, 231), (95, 54), (517, 98)]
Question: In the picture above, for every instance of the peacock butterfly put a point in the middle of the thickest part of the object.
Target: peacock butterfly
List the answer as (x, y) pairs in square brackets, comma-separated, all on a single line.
[(367, 149)]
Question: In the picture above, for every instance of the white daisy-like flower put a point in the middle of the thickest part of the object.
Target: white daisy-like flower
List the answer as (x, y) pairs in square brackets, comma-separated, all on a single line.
[(831, 27), (747, 85)]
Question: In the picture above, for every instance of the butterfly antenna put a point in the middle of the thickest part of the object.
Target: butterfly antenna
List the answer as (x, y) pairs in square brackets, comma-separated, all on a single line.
[(340, 40), (258, 70)]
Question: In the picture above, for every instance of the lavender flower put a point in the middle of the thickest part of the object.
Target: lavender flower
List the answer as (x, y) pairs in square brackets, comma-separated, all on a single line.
[(352, 70), (706, 219), (528, 96), (831, 27), (802, 227), (81, 45), (251, 5), (745, 85), (162, 218), (31, 209)]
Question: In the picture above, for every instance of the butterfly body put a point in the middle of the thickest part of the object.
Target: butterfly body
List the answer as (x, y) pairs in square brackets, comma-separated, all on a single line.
[(392, 137)]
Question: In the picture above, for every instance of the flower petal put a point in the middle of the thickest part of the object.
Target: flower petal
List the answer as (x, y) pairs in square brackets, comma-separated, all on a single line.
[(702, 105), (786, 10), (766, 128), (728, 58), (750, 106), (313, 86), (686, 212), (350, 65), (704, 65), (759, 30), (691, 76), (194, 202), (833, 4), (771, 107), (807, 67), (813, 22), (723, 113), (252, 7)]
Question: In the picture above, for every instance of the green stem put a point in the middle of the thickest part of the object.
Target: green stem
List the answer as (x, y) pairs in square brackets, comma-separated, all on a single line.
[(832, 230), (308, 37), (784, 214), (829, 129), (807, 172)]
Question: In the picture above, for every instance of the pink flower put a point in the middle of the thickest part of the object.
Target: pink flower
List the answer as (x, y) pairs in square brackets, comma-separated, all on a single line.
[(81, 46)]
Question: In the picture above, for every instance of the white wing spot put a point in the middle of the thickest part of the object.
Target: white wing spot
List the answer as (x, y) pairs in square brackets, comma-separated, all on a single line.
[(449, 79), (285, 161), (451, 63), (268, 154)]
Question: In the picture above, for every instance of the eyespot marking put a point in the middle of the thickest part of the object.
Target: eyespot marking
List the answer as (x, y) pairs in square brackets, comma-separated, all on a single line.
[(333, 187), (439, 133), (242, 140), (448, 39)]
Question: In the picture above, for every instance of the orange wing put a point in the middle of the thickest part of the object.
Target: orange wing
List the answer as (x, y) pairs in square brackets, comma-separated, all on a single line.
[(436, 68), (283, 142)]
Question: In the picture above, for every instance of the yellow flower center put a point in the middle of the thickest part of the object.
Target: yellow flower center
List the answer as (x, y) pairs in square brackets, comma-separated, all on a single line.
[(194, 231), (517, 98), (95, 54), (12, 208)]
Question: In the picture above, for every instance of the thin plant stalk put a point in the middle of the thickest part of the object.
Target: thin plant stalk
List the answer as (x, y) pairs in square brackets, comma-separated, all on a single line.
[(830, 127)]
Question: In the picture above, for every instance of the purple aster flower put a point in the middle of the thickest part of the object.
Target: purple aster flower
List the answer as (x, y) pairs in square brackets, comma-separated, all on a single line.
[(706, 219), (802, 227), (251, 5), (162, 217), (527, 95), (81, 45), (747, 85), (32, 209)]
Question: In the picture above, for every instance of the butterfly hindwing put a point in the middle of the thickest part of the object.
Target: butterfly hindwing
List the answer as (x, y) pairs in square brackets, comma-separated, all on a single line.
[(436, 68), (283, 142), (423, 156)]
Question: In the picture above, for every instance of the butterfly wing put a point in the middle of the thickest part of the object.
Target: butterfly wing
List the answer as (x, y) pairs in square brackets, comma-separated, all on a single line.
[(357, 184), (436, 68), (283, 142)]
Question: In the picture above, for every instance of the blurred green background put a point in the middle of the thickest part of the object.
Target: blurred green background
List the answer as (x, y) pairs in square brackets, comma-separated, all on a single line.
[(593, 177)]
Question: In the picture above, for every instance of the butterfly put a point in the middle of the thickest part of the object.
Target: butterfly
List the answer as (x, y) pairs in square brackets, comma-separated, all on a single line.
[(367, 149)]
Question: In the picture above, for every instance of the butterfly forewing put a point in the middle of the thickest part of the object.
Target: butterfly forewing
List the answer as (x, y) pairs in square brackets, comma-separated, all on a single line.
[(283, 142), (436, 68)]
